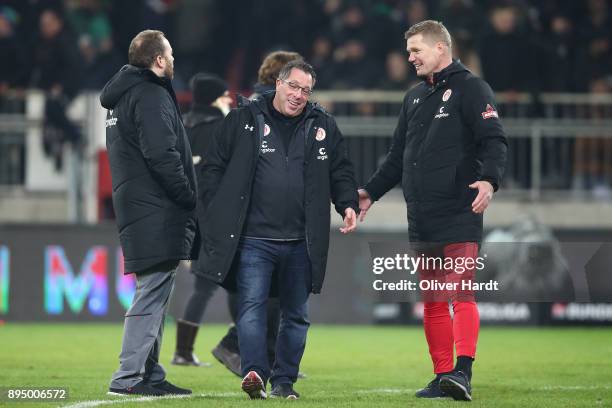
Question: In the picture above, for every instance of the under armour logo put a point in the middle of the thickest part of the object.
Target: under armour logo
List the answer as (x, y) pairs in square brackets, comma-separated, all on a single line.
[(247, 127), (415, 101)]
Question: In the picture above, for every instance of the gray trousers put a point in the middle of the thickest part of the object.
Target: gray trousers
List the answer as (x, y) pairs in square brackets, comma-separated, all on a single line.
[(144, 327)]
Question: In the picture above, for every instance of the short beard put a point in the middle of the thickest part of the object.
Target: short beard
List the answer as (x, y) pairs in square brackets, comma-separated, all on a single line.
[(169, 71)]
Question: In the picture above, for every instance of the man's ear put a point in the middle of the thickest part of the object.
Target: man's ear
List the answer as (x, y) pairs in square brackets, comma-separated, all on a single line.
[(158, 60)]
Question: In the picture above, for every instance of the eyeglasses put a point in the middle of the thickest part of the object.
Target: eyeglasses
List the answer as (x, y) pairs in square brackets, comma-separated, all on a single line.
[(295, 87)]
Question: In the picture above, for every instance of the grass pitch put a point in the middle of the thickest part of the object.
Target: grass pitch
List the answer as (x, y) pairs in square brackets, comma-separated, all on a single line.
[(347, 366)]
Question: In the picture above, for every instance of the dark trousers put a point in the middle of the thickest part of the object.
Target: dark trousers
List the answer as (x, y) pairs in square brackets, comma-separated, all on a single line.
[(261, 261), (199, 299)]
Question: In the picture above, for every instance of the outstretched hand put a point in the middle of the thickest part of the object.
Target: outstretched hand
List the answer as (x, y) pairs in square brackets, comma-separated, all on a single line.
[(350, 221), (485, 194)]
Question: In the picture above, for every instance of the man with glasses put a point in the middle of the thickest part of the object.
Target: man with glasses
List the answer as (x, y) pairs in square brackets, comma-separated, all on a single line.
[(278, 162)]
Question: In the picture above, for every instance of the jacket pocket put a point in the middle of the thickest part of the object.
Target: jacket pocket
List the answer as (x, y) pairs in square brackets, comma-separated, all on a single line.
[(440, 183)]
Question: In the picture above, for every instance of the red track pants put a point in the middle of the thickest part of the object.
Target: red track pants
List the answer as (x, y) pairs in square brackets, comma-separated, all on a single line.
[(442, 331)]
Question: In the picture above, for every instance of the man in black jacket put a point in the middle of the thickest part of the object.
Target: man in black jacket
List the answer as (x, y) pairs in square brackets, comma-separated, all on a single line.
[(211, 102), (278, 163), (228, 351), (449, 152), (154, 196)]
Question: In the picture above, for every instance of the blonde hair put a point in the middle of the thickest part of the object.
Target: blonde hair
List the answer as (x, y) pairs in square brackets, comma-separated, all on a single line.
[(431, 29)]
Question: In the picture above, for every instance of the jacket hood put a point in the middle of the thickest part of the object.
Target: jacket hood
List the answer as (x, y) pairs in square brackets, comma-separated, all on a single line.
[(455, 67), (262, 89), (127, 77)]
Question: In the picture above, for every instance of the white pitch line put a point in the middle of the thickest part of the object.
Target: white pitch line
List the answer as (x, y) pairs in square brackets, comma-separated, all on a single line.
[(120, 400), (386, 391), (574, 387)]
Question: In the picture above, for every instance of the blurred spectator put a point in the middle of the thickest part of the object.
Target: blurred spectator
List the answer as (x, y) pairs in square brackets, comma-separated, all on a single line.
[(321, 60), (559, 56), (358, 59), (506, 55), (464, 51), (462, 19), (595, 37), (56, 64), (94, 33), (387, 35), (56, 68), (530, 44), (13, 72), (157, 14), (593, 156), (352, 67), (269, 70), (399, 73), (416, 11)]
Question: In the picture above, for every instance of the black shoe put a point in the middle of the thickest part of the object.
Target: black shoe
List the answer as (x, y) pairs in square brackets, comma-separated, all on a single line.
[(432, 390), (285, 391), (457, 385), (138, 389), (169, 388), (228, 358), (253, 385)]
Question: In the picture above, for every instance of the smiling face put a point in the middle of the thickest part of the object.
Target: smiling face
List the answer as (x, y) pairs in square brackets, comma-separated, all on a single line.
[(426, 55), (290, 99)]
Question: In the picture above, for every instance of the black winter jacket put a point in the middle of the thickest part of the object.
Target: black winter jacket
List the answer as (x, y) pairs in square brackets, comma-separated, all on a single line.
[(228, 177), (154, 184), (201, 123), (448, 136)]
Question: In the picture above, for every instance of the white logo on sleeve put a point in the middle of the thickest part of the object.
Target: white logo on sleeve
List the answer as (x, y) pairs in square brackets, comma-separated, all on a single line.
[(489, 112), (249, 127), (322, 154), (111, 121)]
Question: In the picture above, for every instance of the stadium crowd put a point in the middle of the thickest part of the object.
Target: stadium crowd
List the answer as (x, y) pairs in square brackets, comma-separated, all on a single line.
[(516, 46)]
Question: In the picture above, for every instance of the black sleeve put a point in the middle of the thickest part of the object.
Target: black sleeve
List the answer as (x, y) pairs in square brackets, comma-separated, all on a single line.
[(390, 171), (154, 116), (219, 154), (479, 111), (342, 174), (204, 144)]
